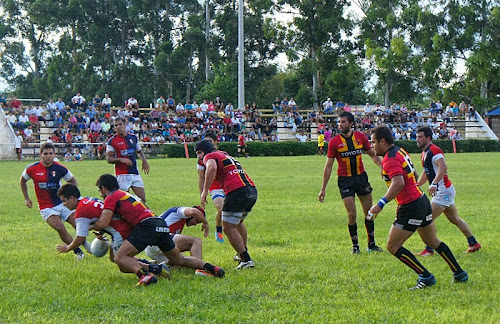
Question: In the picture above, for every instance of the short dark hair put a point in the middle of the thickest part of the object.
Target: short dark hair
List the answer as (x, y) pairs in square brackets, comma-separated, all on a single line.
[(212, 136), (68, 190), (348, 115), (107, 181), (46, 146), (383, 132), (426, 130), (205, 146), (120, 119)]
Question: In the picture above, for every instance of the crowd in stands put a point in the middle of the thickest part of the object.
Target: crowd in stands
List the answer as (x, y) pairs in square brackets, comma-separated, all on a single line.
[(80, 122)]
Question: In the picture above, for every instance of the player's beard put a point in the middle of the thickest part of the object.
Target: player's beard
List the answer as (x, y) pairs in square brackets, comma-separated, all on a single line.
[(345, 131)]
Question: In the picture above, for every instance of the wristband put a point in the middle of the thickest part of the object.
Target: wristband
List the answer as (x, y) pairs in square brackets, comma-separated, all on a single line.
[(382, 202), (434, 184)]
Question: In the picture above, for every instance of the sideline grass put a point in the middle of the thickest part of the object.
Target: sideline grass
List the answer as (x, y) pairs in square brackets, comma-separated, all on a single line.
[(304, 270)]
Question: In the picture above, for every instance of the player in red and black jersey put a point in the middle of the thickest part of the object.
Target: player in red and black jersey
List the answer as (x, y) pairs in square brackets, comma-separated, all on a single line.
[(440, 188), (242, 145), (414, 212), (241, 196), (47, 176), (216, 191), (347, 148), (147, 230), (122, 149)]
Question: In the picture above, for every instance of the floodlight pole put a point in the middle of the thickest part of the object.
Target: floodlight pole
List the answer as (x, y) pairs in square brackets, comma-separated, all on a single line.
[(241, 58)]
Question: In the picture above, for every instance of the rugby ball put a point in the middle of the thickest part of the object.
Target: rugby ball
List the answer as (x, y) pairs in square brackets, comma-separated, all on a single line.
[(99, 248)]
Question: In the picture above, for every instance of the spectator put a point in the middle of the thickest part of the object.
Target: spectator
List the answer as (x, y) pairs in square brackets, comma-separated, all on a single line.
[(132, 103), (95, 126), (105, 126), (293, 106), (97, 102), (284, 104), (328, 134), (160, 103), (170, 103), (3, 100), (106, 102), (179, 109), (11, 119), (60, 105), (28, 134), (24, 121), (18, 146), (16, 104), (339, 106), (328, 106), (301, 137), (277, 106), (229, 110), (77, 101)]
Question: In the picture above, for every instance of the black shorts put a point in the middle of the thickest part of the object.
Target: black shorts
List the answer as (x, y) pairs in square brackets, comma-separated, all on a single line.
[(151, 231), (416, 214), (244, 147), (240, 200), (354, 185)]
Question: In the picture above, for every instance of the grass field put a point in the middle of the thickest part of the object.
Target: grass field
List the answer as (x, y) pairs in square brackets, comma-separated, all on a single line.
[(304, 270)]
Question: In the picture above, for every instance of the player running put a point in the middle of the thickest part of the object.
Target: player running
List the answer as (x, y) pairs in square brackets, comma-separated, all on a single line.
[(147, 230), (121, 150), (414, 212), (440, 188), (241, 196), (242, 145), (47, 175), (216, 191), (347, 147)]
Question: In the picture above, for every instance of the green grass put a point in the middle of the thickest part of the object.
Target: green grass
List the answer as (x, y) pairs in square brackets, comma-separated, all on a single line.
[(304, 270)]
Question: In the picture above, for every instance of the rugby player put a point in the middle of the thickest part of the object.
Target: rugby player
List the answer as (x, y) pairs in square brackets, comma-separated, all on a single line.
[(347, 147), (216, 191), (414, 212), (47, 175), (121, 150), (241, 196), (440, 188), (147, 229), (242, 145)]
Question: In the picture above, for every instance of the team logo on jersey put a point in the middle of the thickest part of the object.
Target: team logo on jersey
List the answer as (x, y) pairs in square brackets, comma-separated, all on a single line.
[(341, 145), (131, 142), (54, 173), (39, 174)]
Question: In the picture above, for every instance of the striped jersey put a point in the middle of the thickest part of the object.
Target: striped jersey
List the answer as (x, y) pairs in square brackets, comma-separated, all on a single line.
[(229, 171), (397, 162), (348, 151), (127, 207), (47, 181)]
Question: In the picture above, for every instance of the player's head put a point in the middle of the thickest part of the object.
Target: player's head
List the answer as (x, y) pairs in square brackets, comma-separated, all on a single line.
[(203, 147), (211, 137), (69, 195), (345, 122), (120, 126), (47, 154), (107, 183), (192, 221), (382, 139), (424, 137)]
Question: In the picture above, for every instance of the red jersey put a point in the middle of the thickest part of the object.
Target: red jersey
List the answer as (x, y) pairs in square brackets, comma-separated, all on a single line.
[(88, 212), (242, 141), (397, 162), (229, 171), (348, 151), (47, 181), (429, 157), (127, 207), (126, 147), (215, 184)]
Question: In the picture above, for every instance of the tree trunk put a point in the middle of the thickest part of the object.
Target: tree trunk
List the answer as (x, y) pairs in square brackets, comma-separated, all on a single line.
[(388, 90)]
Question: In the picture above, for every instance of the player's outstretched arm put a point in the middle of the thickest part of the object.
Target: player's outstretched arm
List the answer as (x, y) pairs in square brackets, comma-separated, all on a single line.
[(24, 189), (77, 241), (376, 159)]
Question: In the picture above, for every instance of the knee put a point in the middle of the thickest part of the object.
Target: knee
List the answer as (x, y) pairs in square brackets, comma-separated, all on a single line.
[(392, 248), (197, 241)]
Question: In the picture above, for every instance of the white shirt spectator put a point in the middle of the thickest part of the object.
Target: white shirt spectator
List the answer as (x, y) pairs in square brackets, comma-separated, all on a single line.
[(179, 108), (204, 107), (29, 111), (328, 104), (28, 132), (106, 100), (23, 118), (301, 137), (11, 118)]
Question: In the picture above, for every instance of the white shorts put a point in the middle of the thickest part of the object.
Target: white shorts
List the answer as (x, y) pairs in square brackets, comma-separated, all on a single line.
[(154, 253), (217, 193), (445, 197), (59, 210), (125, 181)]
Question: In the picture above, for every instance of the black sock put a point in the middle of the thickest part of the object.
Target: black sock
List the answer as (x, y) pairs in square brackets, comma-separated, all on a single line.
[(410, 261), (245, 257), (428, 248), (209, 268), (77, 251), (471, 240), (370, 231), (154, 268), (218, 229), (445, 252), (144, 261), (353, 232)]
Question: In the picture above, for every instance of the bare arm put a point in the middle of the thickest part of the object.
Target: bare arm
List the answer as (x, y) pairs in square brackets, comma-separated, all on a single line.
[(210, 171), (77, 241), (145, 164), (422, 179), (103, 220), (327, 171), (442, 168), (197, 214), (112, 159), (73, 181), (397, 183), (201, 180), (375, 157), (24, 189)]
